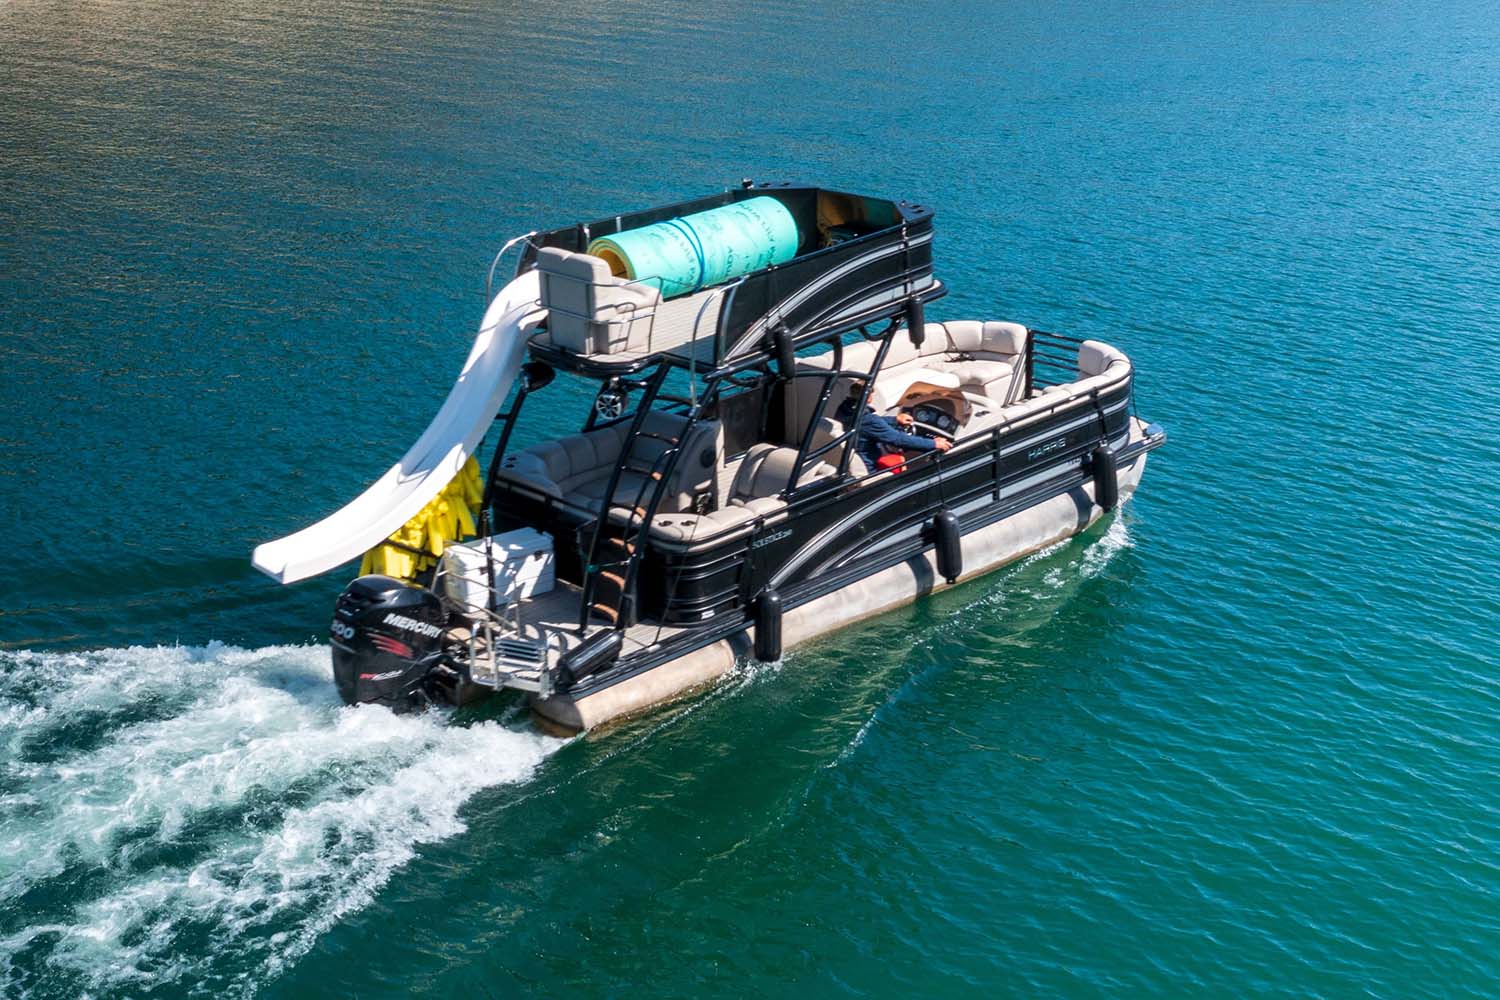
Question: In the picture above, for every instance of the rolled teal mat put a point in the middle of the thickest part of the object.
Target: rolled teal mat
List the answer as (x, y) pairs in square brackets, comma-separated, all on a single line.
[(683, 255)]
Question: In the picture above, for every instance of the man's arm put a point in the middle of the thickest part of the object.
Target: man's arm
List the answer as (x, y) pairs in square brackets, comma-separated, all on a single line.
[(883, 431)]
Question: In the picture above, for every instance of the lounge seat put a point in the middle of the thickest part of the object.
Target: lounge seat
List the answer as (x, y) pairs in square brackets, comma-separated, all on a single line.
[(984, 358), (576, 469), (766, 473), (591, 311), (1099, 368)]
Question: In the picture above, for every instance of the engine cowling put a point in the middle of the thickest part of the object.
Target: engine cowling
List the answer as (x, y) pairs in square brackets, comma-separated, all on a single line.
[(387, 637)]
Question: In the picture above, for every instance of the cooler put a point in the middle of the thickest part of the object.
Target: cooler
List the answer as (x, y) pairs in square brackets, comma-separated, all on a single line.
[(523, 568)]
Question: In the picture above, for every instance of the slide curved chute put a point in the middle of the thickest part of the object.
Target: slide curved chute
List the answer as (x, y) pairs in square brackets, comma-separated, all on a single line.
[(433, 461)]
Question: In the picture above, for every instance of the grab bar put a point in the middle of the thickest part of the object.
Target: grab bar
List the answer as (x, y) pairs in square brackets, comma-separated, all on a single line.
[(489, 279), (718, 293)]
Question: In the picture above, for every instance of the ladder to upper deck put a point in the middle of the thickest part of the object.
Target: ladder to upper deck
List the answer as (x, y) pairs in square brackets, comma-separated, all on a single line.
[(618, 539)]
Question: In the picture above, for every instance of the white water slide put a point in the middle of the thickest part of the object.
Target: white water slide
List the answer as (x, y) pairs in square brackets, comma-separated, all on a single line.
[(433, 461)]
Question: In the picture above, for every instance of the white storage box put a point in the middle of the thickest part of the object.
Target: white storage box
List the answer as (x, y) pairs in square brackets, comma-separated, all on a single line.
[(523, 568)]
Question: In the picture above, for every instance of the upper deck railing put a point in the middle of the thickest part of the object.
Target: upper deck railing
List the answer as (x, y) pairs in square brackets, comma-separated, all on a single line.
[(860, 258)]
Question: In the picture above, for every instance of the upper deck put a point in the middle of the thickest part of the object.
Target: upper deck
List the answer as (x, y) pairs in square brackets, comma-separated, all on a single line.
[(858, 259)]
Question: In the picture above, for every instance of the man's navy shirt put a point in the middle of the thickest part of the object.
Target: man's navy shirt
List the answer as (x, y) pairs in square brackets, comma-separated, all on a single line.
[(878, 435)]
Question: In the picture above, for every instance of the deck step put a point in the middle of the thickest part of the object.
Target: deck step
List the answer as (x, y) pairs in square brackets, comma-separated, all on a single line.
[(634, 511), (520, 652)]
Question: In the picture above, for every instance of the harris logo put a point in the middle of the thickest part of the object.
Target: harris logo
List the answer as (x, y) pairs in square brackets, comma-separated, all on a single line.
[(1042, 450)]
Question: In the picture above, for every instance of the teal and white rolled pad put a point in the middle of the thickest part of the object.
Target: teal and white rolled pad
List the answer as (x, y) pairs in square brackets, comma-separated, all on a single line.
[(682, 255)]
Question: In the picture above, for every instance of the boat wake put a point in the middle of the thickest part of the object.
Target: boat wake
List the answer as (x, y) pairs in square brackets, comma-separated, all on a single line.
[(199, 816), (1096, 557), (1016, 600)]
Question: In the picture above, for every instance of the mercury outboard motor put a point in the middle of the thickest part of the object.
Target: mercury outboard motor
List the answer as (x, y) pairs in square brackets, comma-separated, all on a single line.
[(387, 637)]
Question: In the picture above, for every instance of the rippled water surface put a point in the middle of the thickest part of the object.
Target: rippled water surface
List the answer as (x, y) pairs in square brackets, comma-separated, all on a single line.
[(1238, 740)]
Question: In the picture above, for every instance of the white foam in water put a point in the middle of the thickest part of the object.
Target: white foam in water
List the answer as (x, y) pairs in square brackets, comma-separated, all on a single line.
[(1096, 557), (230, 800)]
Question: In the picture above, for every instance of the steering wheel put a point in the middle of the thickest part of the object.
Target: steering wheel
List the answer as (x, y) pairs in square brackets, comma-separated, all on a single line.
[(924, 429), (929, 431)]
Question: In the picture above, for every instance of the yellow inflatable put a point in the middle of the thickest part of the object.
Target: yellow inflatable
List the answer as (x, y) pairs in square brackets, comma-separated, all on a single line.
[(448, 517)]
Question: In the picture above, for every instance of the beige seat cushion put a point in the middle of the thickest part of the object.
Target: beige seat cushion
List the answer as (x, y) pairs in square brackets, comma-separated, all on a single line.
[(589, 310), (979, 373), (693, 528), (984, 357), (1095, 358), (766, 472), (827, 430), (1003, 340), (576, 468), (631, 490)]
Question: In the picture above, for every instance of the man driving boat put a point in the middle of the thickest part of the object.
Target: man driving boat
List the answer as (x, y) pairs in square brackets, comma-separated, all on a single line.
[(882, 441)]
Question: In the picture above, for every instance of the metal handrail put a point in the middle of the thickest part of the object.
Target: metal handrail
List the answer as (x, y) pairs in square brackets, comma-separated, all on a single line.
[(489, 279), (718, 293), (992, 436), (1053, 353), (649, 312)]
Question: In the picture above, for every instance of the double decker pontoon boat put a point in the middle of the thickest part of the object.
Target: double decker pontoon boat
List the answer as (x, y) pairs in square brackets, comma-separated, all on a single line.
[(718, 500)]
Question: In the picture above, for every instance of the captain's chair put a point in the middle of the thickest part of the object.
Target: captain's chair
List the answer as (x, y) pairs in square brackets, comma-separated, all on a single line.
[(589, 310), (766, 472), (827, 430)]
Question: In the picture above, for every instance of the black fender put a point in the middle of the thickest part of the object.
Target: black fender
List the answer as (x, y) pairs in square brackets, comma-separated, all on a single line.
[(950, 551), (768, 627), (1106, 477)]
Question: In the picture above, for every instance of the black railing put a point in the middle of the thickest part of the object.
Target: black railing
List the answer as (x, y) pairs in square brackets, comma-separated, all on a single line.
[(892, 251), (1051, 359)]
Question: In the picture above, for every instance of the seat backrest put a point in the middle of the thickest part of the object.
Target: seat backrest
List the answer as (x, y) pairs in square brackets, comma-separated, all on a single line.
[(857, 357), (967, 336), (767, 470), (801, 397), (827, 430), (559, 466), (1003, 338), (569, 279), (801, 401), (697, 466), (589, 310), (1095, 358)]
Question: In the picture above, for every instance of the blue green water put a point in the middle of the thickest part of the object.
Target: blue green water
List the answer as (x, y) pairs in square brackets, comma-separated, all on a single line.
[(1239, 740)]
